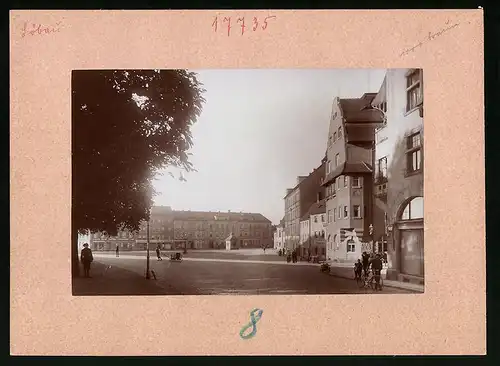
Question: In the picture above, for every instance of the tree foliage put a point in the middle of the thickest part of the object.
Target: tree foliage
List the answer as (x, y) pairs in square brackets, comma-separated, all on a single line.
[(126, 125)]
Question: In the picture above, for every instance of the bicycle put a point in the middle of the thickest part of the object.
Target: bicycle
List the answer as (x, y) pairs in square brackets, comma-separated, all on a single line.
[(369, 280), (374, 284)]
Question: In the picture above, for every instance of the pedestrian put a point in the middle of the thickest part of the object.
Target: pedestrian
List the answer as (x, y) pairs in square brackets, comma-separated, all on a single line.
[(358, 268), (365, 258), (385, 257), (86, 257), (117, 250), (158, 253), (377, 268)]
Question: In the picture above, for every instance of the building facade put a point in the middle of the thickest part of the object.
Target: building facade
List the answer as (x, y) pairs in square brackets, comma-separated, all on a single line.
[(398, 179), (209, 230), (298, 200), (313, 231), (279, 235), (172, 229), (349, 176)]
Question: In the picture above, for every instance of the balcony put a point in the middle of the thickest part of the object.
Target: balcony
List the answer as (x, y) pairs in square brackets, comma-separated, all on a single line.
[(380, 179), (381, 191)]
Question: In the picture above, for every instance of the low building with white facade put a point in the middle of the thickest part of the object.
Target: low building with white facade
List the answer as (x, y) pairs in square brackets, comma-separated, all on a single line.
[(279, 236), (313, 230)]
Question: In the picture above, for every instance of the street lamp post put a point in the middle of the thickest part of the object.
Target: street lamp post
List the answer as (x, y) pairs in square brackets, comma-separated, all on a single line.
[(147, 250)]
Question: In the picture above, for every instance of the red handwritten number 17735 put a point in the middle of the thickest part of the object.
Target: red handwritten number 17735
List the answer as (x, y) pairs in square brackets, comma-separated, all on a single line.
[(226, 22)]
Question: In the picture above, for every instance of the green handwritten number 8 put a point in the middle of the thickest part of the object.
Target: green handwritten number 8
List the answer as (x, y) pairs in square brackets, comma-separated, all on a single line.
[(253, 323)]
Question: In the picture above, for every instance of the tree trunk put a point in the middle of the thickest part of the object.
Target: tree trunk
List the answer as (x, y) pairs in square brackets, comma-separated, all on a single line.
[(75, 266)]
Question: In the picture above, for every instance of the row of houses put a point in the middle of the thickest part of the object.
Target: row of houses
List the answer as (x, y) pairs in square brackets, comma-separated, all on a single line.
[(367, 192), (171, 229)]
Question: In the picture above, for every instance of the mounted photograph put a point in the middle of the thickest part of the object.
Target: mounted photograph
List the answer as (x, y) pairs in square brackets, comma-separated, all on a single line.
[(247, 182)]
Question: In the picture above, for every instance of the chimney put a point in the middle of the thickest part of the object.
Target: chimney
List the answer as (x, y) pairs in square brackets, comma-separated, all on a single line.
[(300, 178)]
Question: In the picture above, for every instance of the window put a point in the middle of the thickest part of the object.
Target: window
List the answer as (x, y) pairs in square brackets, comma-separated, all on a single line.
[(334, 213), (414, 93), (414, 209), (351, 247), (328, 167), (356, 182), (340, 132), (340, 212), (315, 218), (345, 180), (346, 212), (337, 160), (330, 218), (338, 182), (382, 167), (356, 211), (334, 136), (330, 140), (322, 218), (414, 153)]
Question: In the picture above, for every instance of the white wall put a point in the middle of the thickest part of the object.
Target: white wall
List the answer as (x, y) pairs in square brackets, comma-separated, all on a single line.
[(398, 123), (304, 231), (279, 238), (317, 227)]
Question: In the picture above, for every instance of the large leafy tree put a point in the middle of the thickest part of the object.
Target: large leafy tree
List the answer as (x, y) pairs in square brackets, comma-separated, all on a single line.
[(126, 125)]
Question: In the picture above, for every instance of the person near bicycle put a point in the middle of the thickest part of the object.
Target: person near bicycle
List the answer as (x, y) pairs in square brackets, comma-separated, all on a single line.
[(366, 262), (376, 264), (358, 268)]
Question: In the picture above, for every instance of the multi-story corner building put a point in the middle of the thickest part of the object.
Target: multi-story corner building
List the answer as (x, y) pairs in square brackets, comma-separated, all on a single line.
[(209, 230), (171, 229), (312, 230), (279, 235), (348, 179), (298, 200), (398, 180)]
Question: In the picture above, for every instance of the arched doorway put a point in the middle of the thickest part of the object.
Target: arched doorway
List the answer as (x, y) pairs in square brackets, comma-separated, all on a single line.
[(410, 227)]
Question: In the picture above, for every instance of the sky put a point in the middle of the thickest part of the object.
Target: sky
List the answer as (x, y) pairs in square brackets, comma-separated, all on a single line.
[(259, 130)]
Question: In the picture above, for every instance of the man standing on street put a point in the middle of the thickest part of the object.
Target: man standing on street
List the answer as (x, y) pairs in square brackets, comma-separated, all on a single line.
[(158, 253), (86, 257), (377, 268), (117, 250), (366, 262)]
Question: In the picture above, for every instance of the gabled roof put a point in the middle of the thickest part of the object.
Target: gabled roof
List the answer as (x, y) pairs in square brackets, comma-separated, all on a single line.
[(348, 169), (359, 109), (220, 216), (315, 209)]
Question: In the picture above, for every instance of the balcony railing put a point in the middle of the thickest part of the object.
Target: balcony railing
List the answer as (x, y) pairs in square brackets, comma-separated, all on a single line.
[(381, 179)]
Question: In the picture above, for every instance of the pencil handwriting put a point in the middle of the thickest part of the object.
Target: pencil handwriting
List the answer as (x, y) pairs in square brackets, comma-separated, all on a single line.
[(35, 29), (430, 37)]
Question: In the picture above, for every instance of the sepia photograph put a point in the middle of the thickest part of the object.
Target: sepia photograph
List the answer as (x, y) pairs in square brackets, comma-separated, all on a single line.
[(247, 182)]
